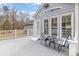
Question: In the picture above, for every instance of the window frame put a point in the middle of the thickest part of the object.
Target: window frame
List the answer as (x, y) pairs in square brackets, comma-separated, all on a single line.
[(55, 23), (72, 23), (46, 26)]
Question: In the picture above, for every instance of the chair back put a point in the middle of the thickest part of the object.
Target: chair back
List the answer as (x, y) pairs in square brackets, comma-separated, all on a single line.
[(42, 34), (44, 37), (64, 40), (67, 41), (53, 38), (49, 37)]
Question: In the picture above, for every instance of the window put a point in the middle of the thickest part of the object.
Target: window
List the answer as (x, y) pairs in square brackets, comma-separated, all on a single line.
[(46, 26), (66, 26), (54, 26)]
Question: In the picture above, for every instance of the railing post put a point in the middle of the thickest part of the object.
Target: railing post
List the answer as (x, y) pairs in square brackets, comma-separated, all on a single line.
[(15, 32)]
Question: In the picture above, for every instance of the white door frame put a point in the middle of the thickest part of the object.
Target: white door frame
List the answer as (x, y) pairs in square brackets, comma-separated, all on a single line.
[(38, 27), (58, 28), (72, 23), (48, 25)]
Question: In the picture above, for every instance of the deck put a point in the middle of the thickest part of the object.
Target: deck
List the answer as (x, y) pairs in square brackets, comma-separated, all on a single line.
[(24, 46)]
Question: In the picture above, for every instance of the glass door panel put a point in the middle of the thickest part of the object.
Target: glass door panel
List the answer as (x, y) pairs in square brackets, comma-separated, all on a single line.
[(46, 26), (54, 26), (66, 26)]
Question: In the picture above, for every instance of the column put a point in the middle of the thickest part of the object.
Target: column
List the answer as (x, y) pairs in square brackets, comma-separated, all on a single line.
[(58, 26), (35, 28), (49, 25), (77, 25), (15, 32), (73, 44)]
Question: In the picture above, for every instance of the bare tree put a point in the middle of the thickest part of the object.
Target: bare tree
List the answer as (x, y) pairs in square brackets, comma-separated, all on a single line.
[(11, 20), (6, 24)]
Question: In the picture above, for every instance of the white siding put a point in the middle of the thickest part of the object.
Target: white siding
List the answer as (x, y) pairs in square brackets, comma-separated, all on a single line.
[(65, 8), (47, 14)]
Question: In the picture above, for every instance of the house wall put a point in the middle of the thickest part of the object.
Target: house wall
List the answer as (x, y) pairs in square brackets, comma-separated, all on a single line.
[(66, 9), (47, 14)]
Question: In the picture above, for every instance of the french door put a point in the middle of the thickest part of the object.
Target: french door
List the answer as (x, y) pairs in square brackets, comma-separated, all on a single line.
[(54, 26), (67, 24), (46, 26)]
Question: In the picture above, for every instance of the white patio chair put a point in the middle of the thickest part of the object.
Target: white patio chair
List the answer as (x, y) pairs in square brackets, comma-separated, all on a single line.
[(63, 42), (43, 38)]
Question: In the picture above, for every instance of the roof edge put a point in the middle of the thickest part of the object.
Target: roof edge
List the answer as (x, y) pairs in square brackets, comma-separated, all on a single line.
[(38, 10)]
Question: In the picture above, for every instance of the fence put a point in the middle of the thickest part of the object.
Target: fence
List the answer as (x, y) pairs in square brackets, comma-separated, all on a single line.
[(10, 33)]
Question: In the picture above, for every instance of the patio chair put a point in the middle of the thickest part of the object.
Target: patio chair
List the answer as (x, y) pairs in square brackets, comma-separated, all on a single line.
[(52, 41), (47, 39), (41, 37), (63, 43), (44, 37)]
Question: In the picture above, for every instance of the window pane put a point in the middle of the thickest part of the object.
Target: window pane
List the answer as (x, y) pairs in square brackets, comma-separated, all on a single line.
[(54, 26), (66, 26), (46, 26)]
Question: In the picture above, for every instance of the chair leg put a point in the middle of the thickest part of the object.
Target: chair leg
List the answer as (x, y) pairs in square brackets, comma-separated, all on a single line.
[(49, 44), (58, 47), (54, 45), (45, 42), (41, 41)]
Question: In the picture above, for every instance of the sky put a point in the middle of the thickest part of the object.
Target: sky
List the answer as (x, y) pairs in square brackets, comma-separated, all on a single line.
[(29, 8)]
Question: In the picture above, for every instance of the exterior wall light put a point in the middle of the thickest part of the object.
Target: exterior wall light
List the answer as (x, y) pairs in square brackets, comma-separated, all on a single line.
[(46, 5)]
